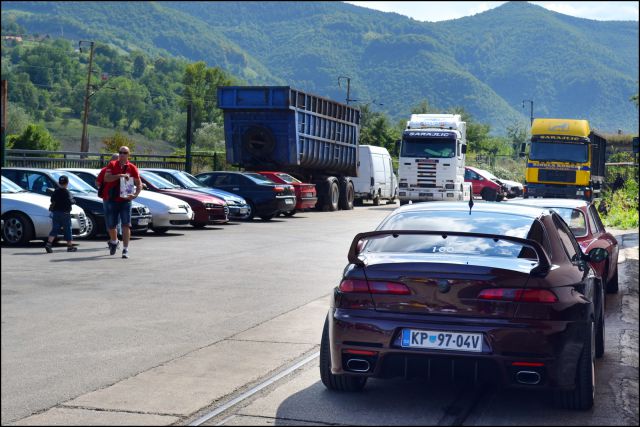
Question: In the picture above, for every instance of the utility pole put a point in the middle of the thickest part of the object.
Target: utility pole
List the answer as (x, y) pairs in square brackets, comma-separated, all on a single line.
[(84, 143), (531, 108), (187, 165), (4, 120), (348, 88)]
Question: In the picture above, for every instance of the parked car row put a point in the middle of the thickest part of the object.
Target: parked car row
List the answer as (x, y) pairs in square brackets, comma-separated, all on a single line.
[(170, 198), (512, 294)]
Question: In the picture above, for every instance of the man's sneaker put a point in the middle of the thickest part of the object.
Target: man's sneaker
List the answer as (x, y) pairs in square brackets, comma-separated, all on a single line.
[(71, 249), (48, 248), (125, 253), (113, 247)]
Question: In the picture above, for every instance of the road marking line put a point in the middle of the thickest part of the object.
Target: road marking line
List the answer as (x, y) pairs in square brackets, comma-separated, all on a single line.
[(254, 390)]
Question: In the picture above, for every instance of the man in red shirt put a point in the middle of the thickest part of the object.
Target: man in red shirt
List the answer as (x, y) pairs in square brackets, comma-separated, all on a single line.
[(117, 207)]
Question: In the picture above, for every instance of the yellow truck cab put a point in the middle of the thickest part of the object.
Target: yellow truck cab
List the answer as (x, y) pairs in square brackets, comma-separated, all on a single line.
[(566, 159)]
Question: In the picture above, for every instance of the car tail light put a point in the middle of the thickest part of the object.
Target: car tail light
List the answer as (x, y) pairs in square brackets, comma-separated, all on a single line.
[(587, 194), (360, 352), (278, 189), (520, 295), (528, 364), (364, 286)]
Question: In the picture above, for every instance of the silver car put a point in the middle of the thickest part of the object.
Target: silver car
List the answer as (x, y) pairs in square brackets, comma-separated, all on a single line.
[(26, 216)]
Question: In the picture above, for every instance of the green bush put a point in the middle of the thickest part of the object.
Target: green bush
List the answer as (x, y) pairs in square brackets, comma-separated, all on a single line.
[(622, 206), (34, 137)]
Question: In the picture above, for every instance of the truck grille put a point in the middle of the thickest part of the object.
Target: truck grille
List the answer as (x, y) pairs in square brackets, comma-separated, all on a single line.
[(556, 175), (426, 174)]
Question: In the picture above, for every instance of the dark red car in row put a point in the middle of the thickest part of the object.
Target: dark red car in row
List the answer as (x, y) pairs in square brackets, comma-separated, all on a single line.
[(584, 221), (445, 290), (306, 196), (207, 209)]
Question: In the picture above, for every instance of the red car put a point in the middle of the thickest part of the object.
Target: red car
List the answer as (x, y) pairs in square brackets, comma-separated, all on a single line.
[(306, 196), (584, 221), (207, 209), (483, 185)]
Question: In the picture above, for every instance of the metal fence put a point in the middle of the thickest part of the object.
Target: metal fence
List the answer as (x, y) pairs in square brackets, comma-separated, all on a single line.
[(74, 159)]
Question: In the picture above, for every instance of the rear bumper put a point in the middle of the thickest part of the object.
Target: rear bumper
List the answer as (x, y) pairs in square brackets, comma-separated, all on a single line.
[(306, 202), (555, 344)]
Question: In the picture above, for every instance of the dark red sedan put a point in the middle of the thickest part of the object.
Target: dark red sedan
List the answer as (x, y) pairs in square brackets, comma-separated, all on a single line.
[(306, 196), (497, 293), (583, 219), (207, 209)]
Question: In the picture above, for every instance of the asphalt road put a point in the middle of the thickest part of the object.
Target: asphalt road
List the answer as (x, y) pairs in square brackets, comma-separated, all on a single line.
[(198, 318)]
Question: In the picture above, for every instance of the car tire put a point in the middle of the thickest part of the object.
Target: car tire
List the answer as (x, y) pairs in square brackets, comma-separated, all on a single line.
[(488, 194), (336, 382), (499, 198), (92, 227), (17, 229), (582, 396), (289, 213), (252, 211), (266, 217), (198, 224), (160, 230), (612, 285)]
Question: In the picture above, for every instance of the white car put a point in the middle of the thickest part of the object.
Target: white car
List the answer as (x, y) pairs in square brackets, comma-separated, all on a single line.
[(513, 188), (166, 211), (25, 215)]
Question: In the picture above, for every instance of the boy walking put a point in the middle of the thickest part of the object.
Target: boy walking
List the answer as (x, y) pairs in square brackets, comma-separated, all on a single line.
[(61, 201)]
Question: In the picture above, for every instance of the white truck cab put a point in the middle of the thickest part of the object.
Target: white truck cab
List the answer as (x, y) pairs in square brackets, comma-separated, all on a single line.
[(432, 158)]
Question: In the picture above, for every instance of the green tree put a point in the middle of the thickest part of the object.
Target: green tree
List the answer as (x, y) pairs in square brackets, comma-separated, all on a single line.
[(139, 64), (34, 137), (200, 89), (113, 143), (210, 136), (17, 119), (518, 134)]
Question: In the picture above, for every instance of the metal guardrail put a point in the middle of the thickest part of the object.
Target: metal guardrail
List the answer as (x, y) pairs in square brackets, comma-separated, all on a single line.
[(75, 159)]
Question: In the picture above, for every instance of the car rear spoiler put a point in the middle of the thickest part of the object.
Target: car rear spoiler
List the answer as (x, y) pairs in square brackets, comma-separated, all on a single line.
[(544, 263)]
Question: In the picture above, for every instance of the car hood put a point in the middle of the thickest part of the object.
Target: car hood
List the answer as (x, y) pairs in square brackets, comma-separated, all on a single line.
[(511, 183), (184, 194), (170, 202)]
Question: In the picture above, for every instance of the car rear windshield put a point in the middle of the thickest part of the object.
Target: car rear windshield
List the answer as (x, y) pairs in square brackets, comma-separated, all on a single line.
[(287, 178), (574, 219), (258, 179), (479, 222)]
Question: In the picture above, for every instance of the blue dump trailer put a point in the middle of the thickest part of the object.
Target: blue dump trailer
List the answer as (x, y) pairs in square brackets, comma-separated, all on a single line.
[(279, 128)]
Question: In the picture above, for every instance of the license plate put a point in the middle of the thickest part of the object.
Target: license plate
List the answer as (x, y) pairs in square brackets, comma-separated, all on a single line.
[(441, 340), (243, 211), (143, 221), (288, 202)]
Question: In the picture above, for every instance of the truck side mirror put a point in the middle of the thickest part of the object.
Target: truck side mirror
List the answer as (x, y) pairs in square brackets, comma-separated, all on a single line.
[(464, 148), (398, 143)]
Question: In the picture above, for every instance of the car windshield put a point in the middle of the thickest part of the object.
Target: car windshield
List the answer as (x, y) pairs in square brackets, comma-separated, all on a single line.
[(189, 180), (288, 178), (574, 219), (428, 147), (9, 186), (542, 151), (157, 181), (481, 222), (257, 178), (76, 185)]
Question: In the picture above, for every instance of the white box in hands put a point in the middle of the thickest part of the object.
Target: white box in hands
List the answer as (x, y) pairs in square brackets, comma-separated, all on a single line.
[(127, 187)]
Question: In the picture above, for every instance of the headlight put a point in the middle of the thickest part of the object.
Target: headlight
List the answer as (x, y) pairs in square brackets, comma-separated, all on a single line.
[(449, 186), (177, 210), (212, 205)]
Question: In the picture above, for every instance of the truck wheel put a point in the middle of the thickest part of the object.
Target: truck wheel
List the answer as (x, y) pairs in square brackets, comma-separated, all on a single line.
[(376, 200), (404, 202), (346, 194), (332, 195)]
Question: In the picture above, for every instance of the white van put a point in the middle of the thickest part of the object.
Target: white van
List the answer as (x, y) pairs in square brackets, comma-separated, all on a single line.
[(375, 180)]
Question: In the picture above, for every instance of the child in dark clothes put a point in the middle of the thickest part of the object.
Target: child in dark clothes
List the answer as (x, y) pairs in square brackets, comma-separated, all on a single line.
[(61, 202)]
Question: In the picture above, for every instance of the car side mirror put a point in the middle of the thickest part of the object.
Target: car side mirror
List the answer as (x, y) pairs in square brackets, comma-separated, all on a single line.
[(597, 255)]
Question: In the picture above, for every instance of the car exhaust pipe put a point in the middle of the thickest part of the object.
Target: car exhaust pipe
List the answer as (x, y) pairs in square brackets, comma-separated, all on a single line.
[(528, 377), (358, 365)]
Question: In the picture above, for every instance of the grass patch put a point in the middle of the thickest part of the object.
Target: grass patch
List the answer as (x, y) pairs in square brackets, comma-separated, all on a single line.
[(622, 206)]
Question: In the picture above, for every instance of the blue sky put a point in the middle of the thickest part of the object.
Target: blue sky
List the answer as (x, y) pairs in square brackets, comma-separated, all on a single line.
[(444, 10)]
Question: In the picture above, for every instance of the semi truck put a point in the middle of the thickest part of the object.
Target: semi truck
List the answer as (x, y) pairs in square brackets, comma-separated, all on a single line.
[(566, 159), (280, 128), (432, 157)]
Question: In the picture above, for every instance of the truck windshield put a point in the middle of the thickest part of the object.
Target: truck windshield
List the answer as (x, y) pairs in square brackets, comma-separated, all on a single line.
[(428, 147), (544, 151)]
